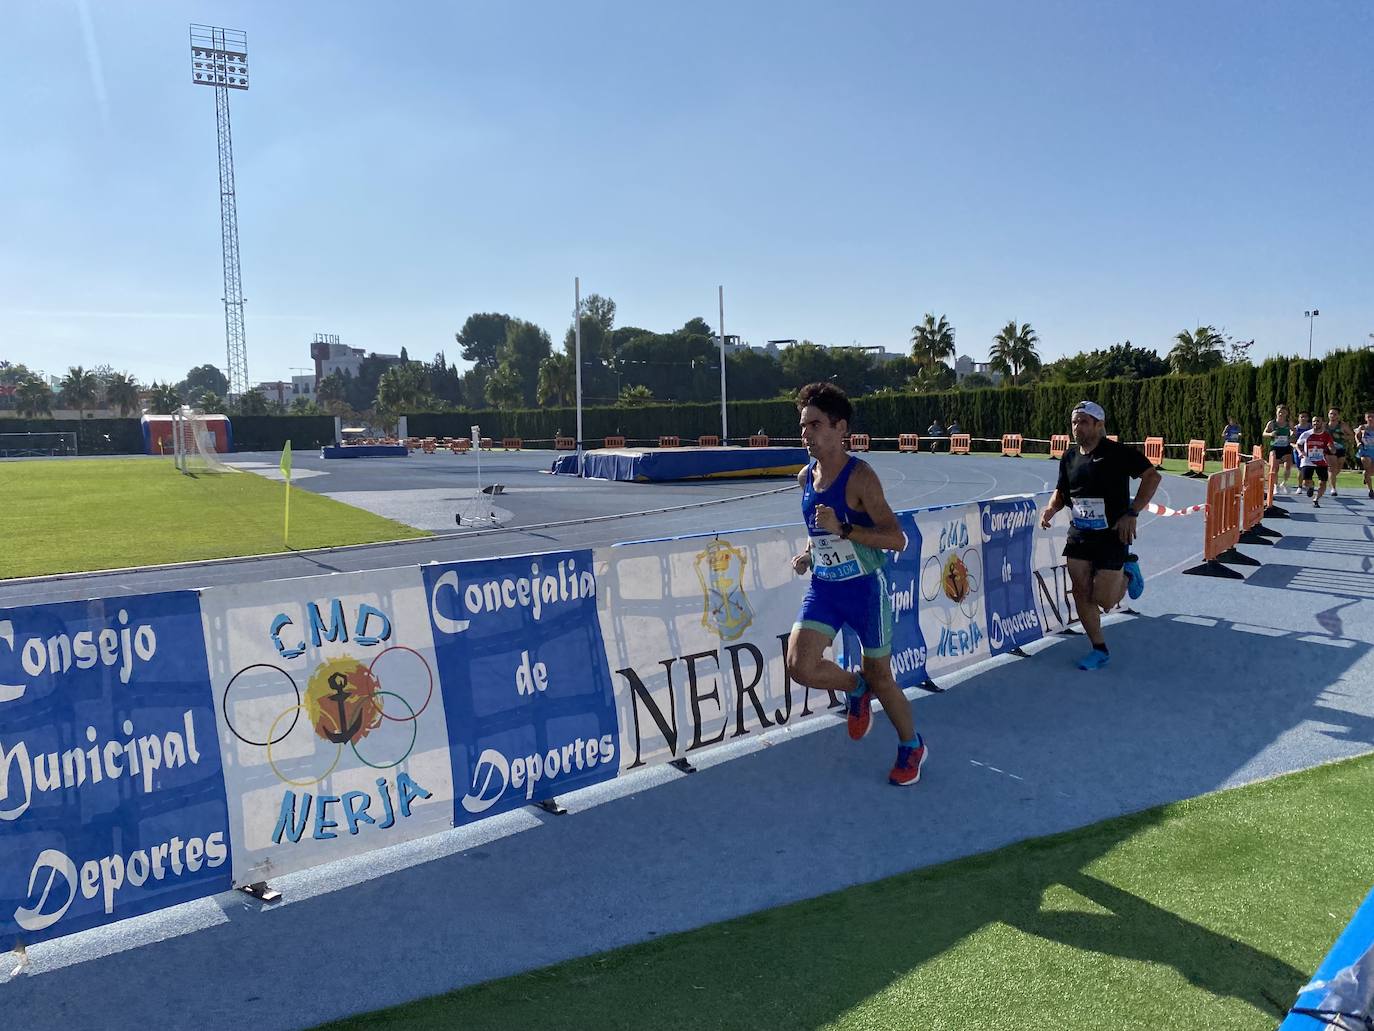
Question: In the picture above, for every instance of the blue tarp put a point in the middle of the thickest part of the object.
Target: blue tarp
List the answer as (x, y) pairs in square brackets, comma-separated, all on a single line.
[(364, 451), (1354, 942), (652, 465)]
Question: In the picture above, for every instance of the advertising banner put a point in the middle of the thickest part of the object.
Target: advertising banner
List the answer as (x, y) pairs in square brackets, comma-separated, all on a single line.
[(696, 630), (112, 801), (330, 717), (528, 698), (1008, 531), (951, 608)]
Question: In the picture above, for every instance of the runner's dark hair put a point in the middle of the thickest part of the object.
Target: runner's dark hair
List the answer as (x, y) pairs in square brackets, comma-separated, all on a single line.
[(828, 398)]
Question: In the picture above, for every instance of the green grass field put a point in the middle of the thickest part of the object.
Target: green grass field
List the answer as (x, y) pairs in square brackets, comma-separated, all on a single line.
[(1208, 913), (68, 515)]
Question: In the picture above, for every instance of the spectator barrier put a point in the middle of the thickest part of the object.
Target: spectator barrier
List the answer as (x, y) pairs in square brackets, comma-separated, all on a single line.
[(909, 442), (1059, 443), (237, 733), (858, 442), (512, 443), (460, 445), (1154, 450), (758, 440), (708, 440), (960, 444), (1011, 445), (1230, 456), (1197, 458), (564, 444), (669, 442), (617, 441)]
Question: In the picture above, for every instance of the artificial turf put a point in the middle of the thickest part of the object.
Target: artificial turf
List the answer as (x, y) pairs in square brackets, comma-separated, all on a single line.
[(1208, 913), (69, 515)]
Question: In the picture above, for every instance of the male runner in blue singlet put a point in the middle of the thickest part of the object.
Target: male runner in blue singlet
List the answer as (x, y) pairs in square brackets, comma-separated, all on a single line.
[(851, 528)]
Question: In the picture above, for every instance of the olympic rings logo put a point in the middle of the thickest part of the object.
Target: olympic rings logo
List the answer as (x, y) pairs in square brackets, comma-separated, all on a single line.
[(343, 704), (958, 576)]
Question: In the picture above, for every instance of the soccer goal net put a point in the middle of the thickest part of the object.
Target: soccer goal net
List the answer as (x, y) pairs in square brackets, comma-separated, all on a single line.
[(193, 443), (38, 445)]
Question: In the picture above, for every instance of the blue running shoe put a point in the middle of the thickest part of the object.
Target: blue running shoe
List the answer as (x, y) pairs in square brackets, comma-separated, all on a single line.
[(1135, 580), (1095, 659)]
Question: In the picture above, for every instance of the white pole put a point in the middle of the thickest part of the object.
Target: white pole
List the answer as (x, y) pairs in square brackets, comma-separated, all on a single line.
[(577, 350), (724, 432)]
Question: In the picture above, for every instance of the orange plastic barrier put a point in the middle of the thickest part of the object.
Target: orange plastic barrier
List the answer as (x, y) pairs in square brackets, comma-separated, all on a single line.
[(1257, 454), (614, 442), (908, 442), (669, 442), (460, 445), (960, 443), (564, 444), (1059, 443), (1252, 495), (486, 443), (1197, 456), (1154, 450), (1221, 530), (512, 443), (1011, 445), (1113, 436), (758, 440), (1230, 456), (428, 446), (858, 442), (708, 440)]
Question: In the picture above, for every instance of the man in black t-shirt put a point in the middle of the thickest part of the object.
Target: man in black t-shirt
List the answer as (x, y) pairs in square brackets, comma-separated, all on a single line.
[(1094, 483)]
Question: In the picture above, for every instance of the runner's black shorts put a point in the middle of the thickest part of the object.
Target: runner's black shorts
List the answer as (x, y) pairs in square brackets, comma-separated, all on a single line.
[(1308, 471), (1281, 450), (1103, 548)]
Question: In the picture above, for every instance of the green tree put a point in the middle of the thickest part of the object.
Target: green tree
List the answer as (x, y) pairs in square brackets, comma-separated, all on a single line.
[(305, 406), (1013, 350), (932, 341), (975, 381), (475, 385), (1196, 351), (252, 403), (526, 346), (362, 388), (33, 397), (1120, 361), (482, 336), (333, 389), (750, 375), (636, 395), (698, 327), (121, 393), (163, 398), (213, 404), (201, 379), (932, 378), (602, 311), (80, 389), (503, 388), (444, 381), (557, 381), (403, 388)]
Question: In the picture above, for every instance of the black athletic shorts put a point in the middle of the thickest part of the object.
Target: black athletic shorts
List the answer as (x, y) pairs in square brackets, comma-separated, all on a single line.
[(1339, 451), (1282, 450), (1103, 548), (1308, 471)]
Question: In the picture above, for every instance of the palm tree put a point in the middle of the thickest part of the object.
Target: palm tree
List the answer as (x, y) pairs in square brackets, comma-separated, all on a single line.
[(163, 398), (1013, 350), (503, 387), (1197, 351), (931, 379), (33, 398), (557, 380), (212, 404), (932, 341), (403, 388), (80, 389), (122, 392), (635, 395), (254, 402)]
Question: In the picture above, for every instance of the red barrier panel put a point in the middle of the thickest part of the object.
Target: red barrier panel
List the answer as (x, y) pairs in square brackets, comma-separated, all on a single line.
[(486, 443), (1197, 456), (460, 445), (909, 442), (1252, 495), (758, 440), (1257, 454), (1113, 436), (512, 443), (708, 440), (1059, 443), (614, 442), (1230, 456), (858, 442), (1011, 445), (1221, 529), (960, 443), (1154, 450), (669, 442), (564, 444)]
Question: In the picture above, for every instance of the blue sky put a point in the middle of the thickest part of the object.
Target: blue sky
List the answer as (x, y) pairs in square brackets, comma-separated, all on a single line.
[(1103, 171)]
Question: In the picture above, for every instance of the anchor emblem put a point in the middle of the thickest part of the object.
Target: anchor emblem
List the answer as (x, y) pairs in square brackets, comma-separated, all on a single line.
[(338, 694)]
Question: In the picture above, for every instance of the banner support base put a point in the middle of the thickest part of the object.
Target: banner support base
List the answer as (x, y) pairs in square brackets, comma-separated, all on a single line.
[(1275, 512), (1020, 652), (261, 891), (1235, 558), (1214, 568), (684, 765), (550, 805), (931, 686)]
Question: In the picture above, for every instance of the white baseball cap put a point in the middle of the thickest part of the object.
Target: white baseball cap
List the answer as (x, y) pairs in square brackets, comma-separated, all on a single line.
[(1091, 408)]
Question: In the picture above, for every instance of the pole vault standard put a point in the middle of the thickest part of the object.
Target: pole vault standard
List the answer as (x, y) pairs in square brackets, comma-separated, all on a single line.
[(577, 358), (724, 430)]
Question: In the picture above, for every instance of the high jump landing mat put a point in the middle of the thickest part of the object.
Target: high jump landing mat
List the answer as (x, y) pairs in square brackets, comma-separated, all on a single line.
[(662, 464)]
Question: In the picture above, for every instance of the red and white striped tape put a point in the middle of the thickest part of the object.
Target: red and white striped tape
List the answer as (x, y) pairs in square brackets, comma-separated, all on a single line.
[(1165, 510)]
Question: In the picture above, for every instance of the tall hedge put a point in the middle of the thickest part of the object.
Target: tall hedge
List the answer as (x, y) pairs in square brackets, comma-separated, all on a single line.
[(1176, 408)]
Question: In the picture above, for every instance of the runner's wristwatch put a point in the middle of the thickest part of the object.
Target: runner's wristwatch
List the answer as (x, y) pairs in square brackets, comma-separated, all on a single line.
[(845, 530), (1130, 511)]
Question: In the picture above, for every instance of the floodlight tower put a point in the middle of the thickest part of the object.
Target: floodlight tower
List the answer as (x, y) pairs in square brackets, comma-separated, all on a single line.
[(219, 58)]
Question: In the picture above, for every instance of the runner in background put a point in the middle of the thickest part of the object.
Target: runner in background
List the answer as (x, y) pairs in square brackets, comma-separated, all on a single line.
[(1336, 458), (1230, 433), (1279, 432), (851, 529), (1314, 446), (1364, 436)]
